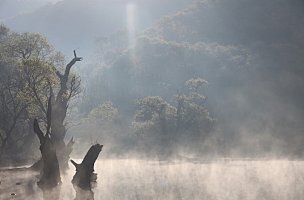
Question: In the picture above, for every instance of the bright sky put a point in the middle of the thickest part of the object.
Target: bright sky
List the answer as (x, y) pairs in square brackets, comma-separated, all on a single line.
[(11, 8)]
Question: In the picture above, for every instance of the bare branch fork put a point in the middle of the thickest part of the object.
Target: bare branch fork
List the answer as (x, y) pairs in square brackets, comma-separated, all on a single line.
[(64, 77)]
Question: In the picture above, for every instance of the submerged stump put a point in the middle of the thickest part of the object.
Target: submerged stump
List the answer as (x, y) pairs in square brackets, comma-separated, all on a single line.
[(84, 171)]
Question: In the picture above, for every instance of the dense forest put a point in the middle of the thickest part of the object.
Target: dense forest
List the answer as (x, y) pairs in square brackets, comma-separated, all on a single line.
[(197, 78)]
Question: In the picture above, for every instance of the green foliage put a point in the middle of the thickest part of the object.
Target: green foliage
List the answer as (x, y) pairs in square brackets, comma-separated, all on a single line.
[(13, 110), (151, 112), (31, 45), (38, 77), (191, 111), (152, 106), (37, 64), (195, 84), (105, 112), (154, 114), (28, 66)]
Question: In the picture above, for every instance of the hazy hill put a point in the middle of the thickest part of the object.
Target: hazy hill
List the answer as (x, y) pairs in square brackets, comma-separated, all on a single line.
[(12, 8), (251, 52), (271, 31), (236, 22), (71, 24)]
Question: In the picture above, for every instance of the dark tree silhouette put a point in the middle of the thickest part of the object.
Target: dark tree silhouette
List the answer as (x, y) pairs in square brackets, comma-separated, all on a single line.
[(59, 111), (50, 173), (84, 171)]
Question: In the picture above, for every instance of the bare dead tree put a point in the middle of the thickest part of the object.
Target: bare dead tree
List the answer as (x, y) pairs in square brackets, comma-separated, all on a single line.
[(69, 87), (67, 90)]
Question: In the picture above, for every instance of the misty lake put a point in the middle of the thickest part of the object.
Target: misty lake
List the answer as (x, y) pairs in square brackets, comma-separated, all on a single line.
[(141, 179)]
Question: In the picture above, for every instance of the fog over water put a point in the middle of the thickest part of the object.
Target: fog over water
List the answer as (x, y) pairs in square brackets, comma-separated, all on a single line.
[(138, 179), (192, 99)]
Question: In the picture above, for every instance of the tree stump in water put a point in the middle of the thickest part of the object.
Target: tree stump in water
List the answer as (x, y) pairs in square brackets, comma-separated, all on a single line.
[(84, 172)]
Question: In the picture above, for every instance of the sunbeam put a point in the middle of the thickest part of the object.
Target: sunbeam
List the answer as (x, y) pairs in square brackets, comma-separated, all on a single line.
[(131, 23)]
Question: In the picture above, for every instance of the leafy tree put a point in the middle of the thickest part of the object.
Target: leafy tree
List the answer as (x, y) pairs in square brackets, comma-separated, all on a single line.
[(189, 120), (29, 46), (153, 112), (157, 117), (36, 62), (13, 110), (105, 112), (191, 112)]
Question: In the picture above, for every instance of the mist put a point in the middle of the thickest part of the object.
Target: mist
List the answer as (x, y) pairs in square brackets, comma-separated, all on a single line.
[(197, 88)]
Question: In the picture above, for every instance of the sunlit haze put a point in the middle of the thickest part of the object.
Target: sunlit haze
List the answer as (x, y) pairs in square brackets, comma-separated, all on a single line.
[(151, 99)]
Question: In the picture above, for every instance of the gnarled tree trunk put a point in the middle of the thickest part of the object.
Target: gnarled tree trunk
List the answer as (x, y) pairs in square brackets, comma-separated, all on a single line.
[(50, 173)]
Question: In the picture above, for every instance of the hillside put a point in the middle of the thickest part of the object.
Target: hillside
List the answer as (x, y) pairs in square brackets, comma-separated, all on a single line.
[(251, 53), (77, 23), (12, 8)]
